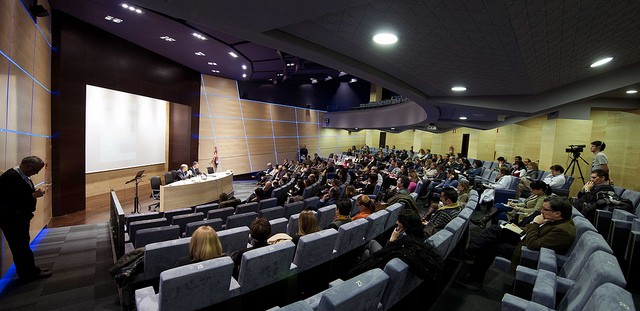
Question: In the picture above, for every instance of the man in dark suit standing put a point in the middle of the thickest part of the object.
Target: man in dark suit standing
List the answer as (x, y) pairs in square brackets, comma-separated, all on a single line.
[(17, 204), (304, 152)]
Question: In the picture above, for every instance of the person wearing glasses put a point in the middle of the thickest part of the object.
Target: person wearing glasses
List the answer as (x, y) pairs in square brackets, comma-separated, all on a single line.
[(553, 228), (17, 204)]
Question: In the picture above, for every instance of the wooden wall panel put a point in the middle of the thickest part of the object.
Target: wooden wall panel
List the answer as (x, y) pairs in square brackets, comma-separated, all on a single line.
[(23, 34), (291, 156), (101, 183), (42, 68), (20, 101), (206, 127), (261, 146), (255, 110), (223, 107), (220, 86), (372, 138), (231, 147), (284, 129), (42, 103), (287, 145), (307, 130), (6, 11), (205, 151), (306, 115), (259, 161), (4, 79), (258, 128), (229, 128), (3, 151), (283, 113)]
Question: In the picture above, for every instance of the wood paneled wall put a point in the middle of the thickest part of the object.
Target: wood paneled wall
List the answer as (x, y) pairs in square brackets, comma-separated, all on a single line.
[(25, 109), (250, 134)]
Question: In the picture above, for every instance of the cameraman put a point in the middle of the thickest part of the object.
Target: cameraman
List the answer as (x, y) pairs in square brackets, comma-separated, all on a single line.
[(600, 160)]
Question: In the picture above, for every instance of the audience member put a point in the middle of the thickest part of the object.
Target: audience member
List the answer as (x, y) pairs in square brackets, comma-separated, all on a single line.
[(260, 230), (204, 245), (593, 190), (343, 213), (556, 178), (448, 210), (503, 182), (552, 229), (464, 190), (366, 205), (307, 223), (500, 211)]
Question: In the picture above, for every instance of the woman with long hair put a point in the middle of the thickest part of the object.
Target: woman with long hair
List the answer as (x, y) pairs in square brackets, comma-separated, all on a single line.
[(204, 245), (307, 223), (366, 205)]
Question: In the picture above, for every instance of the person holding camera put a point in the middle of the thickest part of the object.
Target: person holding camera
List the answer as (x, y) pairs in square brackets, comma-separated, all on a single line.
[(600, 160)]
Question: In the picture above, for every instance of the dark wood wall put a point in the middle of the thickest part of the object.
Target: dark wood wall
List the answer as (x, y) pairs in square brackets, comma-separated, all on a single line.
[(83, 55)]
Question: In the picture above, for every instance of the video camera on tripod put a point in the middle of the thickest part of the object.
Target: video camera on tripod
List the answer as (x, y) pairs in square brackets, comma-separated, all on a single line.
[(576, 150)]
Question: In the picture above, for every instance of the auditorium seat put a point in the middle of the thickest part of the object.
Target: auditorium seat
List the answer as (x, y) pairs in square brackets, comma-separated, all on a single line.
[(377, 222), (239, 220), (457, 226), (246, 208), (311, 203), (293, 208), (634, 196), (326, 215), (156, 234), (362, 292), (271, 213), (170, 214), (221, 213), (265, 265), (292, 225), (230, 203), (205, 208), (397, 270), (234, 239), (164, 255), (183, 220), (466, 213), (394, 211), (315, 249), (215, 223), (267, 203), (564, 190), (278, 225), (618, 190), (350, 236), (177, 290), (138, 217), (143, 224), (441, 241)]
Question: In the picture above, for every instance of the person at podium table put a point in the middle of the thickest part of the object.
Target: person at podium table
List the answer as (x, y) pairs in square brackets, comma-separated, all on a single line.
[(195, 169), (183, 173)]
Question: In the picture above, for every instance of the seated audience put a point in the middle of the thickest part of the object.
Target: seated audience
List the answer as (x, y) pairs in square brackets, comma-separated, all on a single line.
[(445, 213), (366, 205), (204, 245), (556, 178), (518, 169), (503, 182), (350, 192), (539, 192), (262, 174), (407, 243), (307, 223), (343, 213), (464, 190), (260, 230), (593, 190), (552, 229)]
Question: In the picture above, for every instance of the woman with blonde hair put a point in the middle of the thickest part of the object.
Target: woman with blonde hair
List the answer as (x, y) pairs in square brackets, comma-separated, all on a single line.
[(366, 205), (307, 223), (204, 245)]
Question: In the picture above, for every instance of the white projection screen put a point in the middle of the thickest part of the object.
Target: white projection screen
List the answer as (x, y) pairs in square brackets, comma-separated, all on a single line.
[(123, 130)]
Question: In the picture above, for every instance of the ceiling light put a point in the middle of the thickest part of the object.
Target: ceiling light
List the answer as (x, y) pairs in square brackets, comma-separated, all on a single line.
[(233, 54), (244, 75), (199, 36), (385, 38), (138, 11), (244, 67), (124, 5), (458, 88), (314, 80), (108, 17), (356, 128), (290, 64), (215, 71), (113, 19), (342, 73), (280, 75), (632, 91), (393, 128), (353, 80), (328, 78), (212, 64), (167, 38), (462, 118), (132, 8), (200, 54), (601, 62)]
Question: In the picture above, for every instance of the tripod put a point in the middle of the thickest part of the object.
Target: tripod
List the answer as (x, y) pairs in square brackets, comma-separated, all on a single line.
[(575, 156)]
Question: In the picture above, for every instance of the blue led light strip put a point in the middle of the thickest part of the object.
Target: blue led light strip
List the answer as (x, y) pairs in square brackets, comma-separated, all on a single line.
[(6, 278), (246, 140), (28, 74), (24, 133)]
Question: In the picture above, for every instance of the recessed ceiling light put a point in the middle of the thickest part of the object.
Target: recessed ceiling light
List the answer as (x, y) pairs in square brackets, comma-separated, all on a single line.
[(138, 11), (167, 38), (215, 71), (328, 78), (233, 54), (199, 36), (124, 5), (244, 75), (212, 64), (342, 73), (632, 91), (462, 118), (244, 67), (601, 62), (393, 128), (353, 80), (356, 128), (113, 19), (280, 75), (385, 38), (200, 54), (458, 88), (290, 64)]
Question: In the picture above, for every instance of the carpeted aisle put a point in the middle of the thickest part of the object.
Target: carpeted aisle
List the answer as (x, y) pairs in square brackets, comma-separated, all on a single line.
[(79, 258)]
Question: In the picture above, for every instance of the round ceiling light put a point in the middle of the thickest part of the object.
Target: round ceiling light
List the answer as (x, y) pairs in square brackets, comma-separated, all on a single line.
[(385, 38), (458, 88), (601, 62)]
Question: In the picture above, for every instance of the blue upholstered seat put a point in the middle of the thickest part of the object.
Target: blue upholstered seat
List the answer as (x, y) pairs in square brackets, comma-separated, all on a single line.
[(265, 265), (183, 220), (278, 225), (156, 234), (293, 208), (240, 220), (272, 212), (234, 239), (315, 249), (215, 223), (325, 215), (221, 213)]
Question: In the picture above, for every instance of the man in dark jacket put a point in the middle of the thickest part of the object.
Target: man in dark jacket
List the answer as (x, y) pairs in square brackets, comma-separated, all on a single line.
[(17, 204), (587, 199)]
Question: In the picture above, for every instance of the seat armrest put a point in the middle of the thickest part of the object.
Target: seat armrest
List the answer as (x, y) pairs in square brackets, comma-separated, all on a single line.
[(146, 299), (547, 260), (529, 258), (336, 282), (514, 303), (563, 285), (544, 290), (502, 264)]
